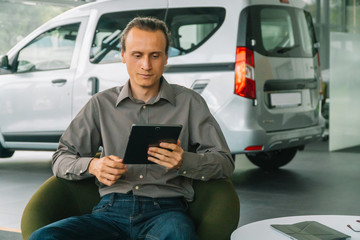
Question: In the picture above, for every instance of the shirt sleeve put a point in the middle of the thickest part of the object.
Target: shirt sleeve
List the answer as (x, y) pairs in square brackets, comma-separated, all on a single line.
[(211, 158), (78, 145)]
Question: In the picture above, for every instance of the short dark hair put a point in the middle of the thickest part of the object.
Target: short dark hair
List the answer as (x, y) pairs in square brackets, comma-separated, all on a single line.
[(147, 24)]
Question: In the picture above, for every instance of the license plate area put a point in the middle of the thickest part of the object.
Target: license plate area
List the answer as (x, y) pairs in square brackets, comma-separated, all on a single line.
[(285, 100)]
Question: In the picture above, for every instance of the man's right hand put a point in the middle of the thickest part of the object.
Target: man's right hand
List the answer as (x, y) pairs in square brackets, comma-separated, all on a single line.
[(107, 169)]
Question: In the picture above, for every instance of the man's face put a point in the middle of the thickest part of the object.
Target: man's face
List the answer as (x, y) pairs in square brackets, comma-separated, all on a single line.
[(145, 58)]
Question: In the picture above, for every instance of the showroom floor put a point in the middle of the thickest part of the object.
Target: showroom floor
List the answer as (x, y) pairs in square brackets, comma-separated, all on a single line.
[(315, 182)]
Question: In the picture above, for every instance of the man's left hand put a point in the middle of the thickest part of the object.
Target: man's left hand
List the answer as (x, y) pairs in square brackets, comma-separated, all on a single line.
[(169, 155)]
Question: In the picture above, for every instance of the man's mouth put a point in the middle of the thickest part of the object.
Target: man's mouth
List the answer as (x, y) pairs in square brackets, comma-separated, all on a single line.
[(145, 75)]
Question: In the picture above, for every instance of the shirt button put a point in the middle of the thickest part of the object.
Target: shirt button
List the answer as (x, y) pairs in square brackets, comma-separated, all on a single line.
[(81, 171), (202, 178), (184, 172), (137, 187), (141, 176), (144, 107)]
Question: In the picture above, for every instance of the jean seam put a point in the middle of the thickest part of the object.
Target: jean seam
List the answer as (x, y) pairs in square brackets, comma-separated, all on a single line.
[(150, 237)]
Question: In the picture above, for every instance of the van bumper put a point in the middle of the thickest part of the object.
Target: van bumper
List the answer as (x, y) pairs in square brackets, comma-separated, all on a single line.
[(238, 141)]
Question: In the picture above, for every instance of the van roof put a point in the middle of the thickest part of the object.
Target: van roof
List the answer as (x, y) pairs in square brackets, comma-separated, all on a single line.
[(85, 9)]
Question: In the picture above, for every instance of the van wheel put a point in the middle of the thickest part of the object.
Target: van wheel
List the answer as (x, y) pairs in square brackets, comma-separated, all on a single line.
[(272, 160), (6, 153)]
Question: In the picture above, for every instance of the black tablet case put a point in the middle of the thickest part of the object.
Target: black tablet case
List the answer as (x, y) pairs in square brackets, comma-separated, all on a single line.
[(143, 136), (310, 230)]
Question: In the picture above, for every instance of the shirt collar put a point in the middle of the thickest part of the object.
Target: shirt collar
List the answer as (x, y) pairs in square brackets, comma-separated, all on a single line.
[(166, 92)]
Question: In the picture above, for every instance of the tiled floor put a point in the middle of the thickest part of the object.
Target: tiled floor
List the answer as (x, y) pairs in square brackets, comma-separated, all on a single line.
[(315, 182), (20, 176)]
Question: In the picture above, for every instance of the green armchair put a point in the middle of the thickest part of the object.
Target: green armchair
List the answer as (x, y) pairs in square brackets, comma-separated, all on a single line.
[(215, 209)]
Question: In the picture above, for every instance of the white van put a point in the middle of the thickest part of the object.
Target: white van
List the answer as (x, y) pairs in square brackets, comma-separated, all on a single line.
[(255, 62)]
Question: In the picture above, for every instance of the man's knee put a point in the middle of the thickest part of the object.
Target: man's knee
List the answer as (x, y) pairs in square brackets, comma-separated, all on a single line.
[(183, 229), (45, 233), (177, 226)]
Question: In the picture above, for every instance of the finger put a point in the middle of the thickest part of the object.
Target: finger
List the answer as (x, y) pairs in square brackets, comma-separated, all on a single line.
[(113, 162), (115, 171), (160, 162), (115, 158), (169, 146), (158, 156), (154, 151), (107, 182), (168, 165), (109, 179)]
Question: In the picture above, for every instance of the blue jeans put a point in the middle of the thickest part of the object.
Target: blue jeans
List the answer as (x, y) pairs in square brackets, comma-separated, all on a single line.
[(125, 216)]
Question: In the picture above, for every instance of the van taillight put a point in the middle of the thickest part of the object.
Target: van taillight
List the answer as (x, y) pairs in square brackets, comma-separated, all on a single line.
[(319, 72), (254, 148), (244, 73)]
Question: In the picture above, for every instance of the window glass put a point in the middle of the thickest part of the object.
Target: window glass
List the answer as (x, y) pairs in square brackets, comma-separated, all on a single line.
[(281, 31), (306, 32), (192, 27), (106, 43), (51, 50), (191, 35), (276, 30), (189, 28)]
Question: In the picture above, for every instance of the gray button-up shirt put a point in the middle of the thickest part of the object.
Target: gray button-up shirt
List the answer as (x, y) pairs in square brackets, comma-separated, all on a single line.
[(106, 121)]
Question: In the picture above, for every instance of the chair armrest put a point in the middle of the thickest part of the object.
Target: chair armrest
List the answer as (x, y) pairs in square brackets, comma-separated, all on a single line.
[(215, 209), (57, 199)]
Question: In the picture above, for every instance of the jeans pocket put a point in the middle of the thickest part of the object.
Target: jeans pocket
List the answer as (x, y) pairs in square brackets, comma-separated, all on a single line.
[(104, 204)]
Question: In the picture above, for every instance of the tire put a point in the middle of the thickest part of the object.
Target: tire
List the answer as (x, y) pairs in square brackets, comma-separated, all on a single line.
[(272, 160), (6, 153)]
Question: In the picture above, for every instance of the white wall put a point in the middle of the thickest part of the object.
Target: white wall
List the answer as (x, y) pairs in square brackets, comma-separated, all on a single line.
[(344, 129)]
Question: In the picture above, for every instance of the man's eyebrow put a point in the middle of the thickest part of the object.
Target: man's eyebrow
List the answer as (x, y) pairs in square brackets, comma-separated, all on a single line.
[(135, 52), (139, 52)]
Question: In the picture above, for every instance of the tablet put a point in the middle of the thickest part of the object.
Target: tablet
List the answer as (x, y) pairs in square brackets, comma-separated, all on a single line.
[(143, 136)]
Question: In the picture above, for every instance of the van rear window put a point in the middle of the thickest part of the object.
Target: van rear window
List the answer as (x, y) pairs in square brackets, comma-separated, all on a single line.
[(276, 29), (279, 31), (189, 29)]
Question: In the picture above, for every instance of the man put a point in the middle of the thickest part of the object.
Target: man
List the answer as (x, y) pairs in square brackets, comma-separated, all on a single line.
[(146, 201)]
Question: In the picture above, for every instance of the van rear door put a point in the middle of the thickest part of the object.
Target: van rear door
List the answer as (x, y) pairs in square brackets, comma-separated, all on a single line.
[(286, 70)]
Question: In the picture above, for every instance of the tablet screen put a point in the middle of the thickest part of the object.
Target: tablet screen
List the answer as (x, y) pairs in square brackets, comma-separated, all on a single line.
[(143, 136)]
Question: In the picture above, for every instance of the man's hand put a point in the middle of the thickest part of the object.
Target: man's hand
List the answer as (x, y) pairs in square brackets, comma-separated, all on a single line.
[(168, 155), (107, 169)]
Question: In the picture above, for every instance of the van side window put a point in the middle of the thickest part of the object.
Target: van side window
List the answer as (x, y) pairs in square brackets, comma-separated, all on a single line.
[(49, 51), (105, 47), (189, 29)]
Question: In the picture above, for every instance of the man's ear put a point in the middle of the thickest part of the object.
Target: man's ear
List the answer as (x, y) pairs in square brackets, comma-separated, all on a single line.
[(123, 56)]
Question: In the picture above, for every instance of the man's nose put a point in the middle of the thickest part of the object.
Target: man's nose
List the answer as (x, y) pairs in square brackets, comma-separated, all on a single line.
[(146, 64)]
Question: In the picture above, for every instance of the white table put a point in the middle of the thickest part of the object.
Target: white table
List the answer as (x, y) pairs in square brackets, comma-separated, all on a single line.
[(262, 230)]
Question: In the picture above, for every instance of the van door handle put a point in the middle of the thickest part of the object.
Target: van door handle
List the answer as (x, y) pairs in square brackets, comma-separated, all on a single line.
[(59, 82), (93, 85)]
